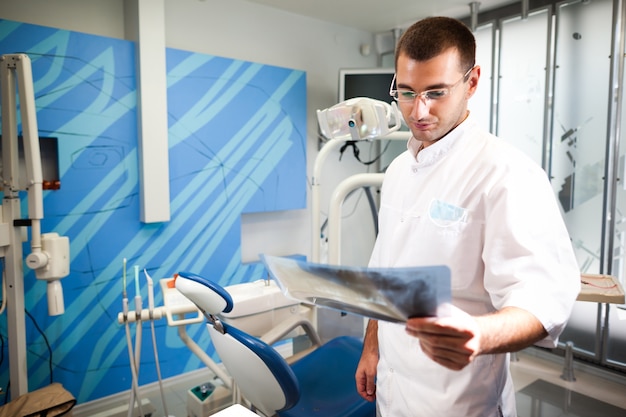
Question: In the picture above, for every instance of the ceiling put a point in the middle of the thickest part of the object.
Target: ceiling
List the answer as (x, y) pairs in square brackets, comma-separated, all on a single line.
[(379, 15)]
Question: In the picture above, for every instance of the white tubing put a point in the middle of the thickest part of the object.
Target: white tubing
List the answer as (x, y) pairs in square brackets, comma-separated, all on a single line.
[(158, 369), (137, 362), (133, 365), (151, 310)]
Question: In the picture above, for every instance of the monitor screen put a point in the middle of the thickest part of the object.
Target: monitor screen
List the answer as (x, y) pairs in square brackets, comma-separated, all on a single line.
[(372, 82)]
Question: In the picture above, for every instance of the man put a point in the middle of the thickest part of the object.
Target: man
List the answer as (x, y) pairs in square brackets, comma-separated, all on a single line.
[(461, 197)]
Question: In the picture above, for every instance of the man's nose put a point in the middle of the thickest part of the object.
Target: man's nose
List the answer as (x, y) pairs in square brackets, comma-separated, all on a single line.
[(421, 108)]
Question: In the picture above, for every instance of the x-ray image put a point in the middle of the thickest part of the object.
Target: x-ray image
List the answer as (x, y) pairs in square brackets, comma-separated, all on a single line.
[(390, 294)]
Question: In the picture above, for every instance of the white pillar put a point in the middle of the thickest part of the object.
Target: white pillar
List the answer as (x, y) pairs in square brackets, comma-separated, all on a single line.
[(146, 18)]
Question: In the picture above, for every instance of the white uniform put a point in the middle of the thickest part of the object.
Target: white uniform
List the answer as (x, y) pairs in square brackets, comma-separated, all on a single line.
[(480, 206)]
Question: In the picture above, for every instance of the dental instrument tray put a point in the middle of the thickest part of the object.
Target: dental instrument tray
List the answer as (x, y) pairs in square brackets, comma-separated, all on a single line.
[(600, 288), (389, 294)]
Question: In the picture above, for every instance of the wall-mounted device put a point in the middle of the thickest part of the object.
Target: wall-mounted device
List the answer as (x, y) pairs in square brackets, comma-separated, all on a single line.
[(49, 152)]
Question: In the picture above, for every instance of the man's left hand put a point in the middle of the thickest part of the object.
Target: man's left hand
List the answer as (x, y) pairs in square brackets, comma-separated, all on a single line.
[(452, 341)]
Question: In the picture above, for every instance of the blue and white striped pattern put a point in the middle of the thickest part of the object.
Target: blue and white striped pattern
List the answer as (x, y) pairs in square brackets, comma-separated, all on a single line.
[(237, 138)]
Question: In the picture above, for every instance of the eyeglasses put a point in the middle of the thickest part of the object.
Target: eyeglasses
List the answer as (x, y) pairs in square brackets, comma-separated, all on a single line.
[(403, 95)]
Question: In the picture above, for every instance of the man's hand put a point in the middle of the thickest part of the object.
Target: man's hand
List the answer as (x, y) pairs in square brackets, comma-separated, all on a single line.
[(455, 340), (450, 341), (365, 376)]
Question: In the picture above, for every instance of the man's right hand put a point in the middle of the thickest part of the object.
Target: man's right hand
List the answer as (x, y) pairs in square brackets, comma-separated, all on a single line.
[(366, 370), (366, 376)]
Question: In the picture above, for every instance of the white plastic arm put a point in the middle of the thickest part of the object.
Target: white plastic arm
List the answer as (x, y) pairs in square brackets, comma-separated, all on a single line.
[(201, 354), (315, 196), (334, 213)]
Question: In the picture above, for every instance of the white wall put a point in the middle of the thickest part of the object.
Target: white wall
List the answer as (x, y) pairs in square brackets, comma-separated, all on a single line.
[(243, 30), (98, 17)]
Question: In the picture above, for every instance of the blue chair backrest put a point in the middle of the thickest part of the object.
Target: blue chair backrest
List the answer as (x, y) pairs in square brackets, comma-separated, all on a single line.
[(263, 376), (261, 373)]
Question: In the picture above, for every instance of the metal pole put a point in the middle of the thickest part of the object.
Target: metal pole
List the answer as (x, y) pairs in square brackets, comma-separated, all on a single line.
[(18, 368), (546, 152), (474, 14), (611, 174), (612, 137), (525, 8)]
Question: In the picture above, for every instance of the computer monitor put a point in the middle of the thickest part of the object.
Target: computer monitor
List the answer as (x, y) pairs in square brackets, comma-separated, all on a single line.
[(366, 82)]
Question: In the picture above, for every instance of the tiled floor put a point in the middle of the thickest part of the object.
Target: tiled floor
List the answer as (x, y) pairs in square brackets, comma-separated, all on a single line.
[(541, 390)]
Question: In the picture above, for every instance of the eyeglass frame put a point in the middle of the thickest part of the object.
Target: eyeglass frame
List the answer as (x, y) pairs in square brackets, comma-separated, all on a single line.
[(424, 94)]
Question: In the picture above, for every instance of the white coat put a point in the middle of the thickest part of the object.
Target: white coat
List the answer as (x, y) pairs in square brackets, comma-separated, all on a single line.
[(476, 204)]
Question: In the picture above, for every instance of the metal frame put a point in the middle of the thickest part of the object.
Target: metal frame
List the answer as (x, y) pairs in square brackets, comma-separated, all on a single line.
[(16, 78), (611, 167), (611, 174)]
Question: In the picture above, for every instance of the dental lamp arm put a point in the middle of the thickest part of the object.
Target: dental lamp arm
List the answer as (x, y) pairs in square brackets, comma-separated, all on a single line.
[(32, 155), (339, 124)]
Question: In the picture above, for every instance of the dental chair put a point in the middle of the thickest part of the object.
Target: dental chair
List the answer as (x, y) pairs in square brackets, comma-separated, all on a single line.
[(319, 384)]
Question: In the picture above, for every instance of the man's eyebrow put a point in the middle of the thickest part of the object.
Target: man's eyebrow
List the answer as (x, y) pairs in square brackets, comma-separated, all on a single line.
[(430, 87)]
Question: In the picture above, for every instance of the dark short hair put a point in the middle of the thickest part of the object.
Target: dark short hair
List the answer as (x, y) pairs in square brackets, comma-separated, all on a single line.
[(429, 37)]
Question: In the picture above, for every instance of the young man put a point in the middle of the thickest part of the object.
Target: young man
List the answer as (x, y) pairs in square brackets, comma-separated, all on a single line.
[(461, 197)]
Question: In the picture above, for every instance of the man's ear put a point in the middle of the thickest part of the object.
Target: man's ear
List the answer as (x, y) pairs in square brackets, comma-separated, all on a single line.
[(473, 81)]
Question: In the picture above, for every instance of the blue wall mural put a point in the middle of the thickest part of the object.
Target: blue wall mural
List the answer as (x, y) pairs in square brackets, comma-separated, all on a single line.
[(237, 133)]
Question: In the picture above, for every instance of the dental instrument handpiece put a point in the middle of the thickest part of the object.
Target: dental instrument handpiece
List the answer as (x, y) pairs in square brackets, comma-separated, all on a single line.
[(138, 324), (138, 300), (124, 295), (150, 294)]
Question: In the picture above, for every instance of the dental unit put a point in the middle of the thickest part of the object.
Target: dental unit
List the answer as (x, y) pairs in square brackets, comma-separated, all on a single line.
[(260, 308)]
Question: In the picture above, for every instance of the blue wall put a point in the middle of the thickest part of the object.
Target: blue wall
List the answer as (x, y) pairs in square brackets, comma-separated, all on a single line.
[(237, 133)]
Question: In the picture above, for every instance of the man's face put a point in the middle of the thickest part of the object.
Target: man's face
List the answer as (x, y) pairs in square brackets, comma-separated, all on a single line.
[(432, 115)]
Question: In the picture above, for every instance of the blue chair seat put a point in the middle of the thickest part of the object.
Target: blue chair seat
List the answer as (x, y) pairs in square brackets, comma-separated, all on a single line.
[(326, 375)]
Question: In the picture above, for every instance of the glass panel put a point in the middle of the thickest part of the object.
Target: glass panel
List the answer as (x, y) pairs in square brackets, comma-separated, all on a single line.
[(578, 141), (522, 83), (616, 341), (480, 103)]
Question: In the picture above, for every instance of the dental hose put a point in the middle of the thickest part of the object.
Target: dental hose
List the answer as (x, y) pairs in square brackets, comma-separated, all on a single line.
[(138, 339), (133, 365), (154, 344)]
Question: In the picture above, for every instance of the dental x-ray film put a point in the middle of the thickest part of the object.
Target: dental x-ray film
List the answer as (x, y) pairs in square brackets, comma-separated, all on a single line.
[(389, 294)]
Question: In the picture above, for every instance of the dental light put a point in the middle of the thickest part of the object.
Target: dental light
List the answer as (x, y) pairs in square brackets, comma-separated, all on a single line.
[(359, 118), (50, 261), (356, 119)]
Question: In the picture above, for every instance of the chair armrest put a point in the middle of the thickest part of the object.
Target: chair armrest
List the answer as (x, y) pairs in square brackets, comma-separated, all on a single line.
[(288, 325)]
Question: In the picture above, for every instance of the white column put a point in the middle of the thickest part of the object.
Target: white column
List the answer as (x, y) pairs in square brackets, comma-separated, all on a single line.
[(147, 20)]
